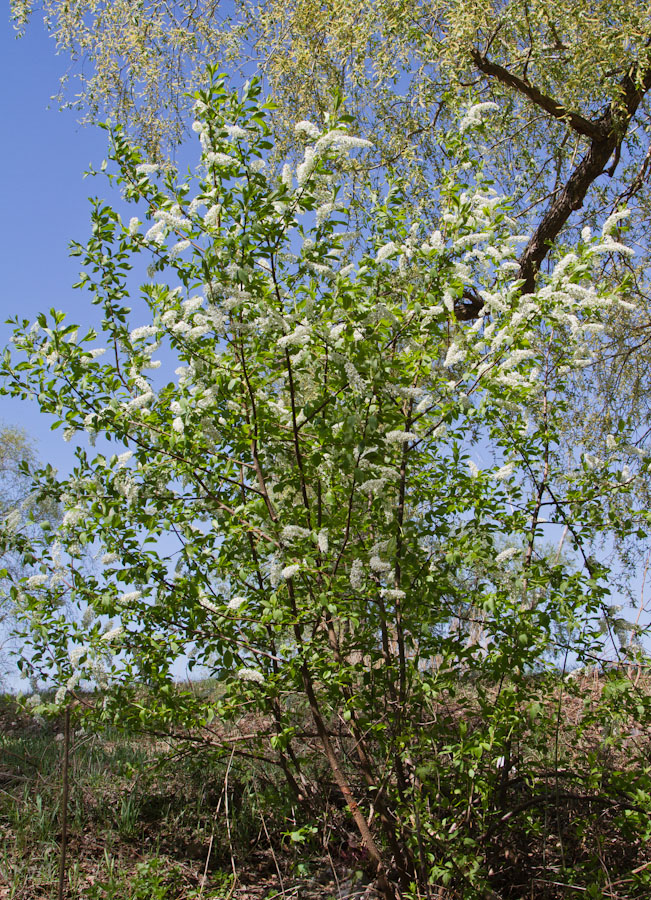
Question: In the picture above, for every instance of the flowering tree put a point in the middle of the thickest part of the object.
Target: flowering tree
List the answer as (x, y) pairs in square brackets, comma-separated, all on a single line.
[(339, 502), (568, 144)]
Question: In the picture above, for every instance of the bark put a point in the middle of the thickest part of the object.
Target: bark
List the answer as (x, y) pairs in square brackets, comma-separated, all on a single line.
[(606, 135)]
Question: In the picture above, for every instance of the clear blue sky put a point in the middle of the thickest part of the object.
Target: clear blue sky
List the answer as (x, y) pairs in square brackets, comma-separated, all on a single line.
[(43, 155)]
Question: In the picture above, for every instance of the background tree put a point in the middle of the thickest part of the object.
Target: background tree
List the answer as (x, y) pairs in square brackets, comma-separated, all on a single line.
[(17, 507), (303, 508)]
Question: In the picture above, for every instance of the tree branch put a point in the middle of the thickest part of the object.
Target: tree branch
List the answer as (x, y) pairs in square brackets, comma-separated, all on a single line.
[(607, 135), (586, 127)]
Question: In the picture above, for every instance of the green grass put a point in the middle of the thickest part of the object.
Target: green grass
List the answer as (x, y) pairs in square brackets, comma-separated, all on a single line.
[(144, 822)]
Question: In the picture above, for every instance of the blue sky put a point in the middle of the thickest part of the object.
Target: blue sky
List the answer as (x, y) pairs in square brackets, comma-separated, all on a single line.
[(43, 156)]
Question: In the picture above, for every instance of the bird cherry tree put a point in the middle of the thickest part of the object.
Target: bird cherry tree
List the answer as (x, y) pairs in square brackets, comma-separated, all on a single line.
[(305, 474)]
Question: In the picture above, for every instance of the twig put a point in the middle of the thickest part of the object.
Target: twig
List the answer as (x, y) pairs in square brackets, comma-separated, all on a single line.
[(64, 805), (228, 826), (264, 825), (212, 833)]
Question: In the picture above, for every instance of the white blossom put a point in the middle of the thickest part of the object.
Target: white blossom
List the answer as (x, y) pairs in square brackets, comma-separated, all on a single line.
[(156, 233), (294, 532), (112, 634), (475, 115), (341, 141), (286, 176), (357, 575), (505, 472), (37, 580), (252, 675), (211, 219), (142, 332), (208, 604), (454, 355), (611, 246), (324, 211), (147, 169), (60, 695), (322, 540), (299, 337), (379, 565), (72, 516), (354, 379), (178, 425), (289, 571), (75, 655), (307, 128), (400, 437), (222, 160), (613, 219), (392, 594), (373, 486), (198, 331), (12, 520), (235, 602), (129, 597), (235, 132), (275, 572), (386, 251), (141, 400), (308, 165), (109, 558), (507, 554), (178, 248)]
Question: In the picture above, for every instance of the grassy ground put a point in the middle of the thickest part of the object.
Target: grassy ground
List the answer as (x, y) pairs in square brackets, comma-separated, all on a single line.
[(146, 823), (149, 820)]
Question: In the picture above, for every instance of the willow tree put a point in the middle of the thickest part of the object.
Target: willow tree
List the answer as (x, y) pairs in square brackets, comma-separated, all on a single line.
[(570, 79)]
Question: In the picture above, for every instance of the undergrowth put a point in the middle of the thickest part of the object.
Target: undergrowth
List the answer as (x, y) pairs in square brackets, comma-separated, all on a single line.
[(151, 817)]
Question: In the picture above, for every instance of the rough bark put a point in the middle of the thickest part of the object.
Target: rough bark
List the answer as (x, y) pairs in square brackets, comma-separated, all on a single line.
[(605, 135)]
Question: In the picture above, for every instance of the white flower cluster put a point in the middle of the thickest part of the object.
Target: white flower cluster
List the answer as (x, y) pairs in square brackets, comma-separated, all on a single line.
[(400, 437), (112, 634), (505, 555), (357, 575), (475, 115), (39, 580), (308, 129), (253, 676), (294, 532)]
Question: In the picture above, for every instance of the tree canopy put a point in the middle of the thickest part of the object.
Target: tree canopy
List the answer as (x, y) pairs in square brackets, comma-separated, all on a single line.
[(327, 490), (568, 145)]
